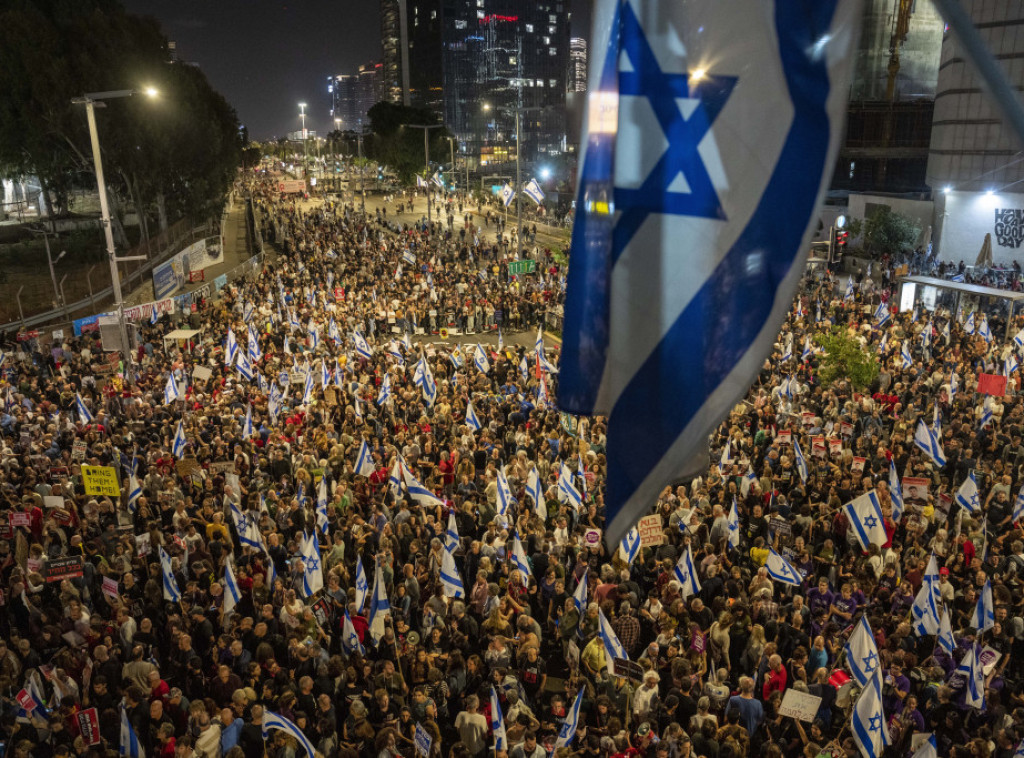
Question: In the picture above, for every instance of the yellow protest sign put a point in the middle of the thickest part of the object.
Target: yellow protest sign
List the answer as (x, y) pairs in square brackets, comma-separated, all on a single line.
[(100, 480)]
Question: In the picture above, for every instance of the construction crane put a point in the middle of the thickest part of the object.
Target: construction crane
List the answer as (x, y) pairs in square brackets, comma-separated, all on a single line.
[(900, 27)]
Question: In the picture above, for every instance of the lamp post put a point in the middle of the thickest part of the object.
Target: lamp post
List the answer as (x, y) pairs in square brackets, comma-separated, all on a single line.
[(519, 185), (302, 114), (426, 153), (91, 101), (50, 262), (362, 189)]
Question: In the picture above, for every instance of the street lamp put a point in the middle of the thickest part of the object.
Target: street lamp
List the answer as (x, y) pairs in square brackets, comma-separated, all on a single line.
[(426, 152), (91, 101), (50, 261), (302, 114)]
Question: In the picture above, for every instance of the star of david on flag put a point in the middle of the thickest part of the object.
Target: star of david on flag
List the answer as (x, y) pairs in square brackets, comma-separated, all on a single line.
[(696, 194)]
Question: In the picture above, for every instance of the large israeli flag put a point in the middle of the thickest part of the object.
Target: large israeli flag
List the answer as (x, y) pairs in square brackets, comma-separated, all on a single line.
[(705, 157), (230, 348), (579, 596), (171, 392), (925, 610), (781, 570), (535, 491), (232, 592), (84, 416), (984, 617), (630, 545), (130, 746), (180, 441), (868, 723), (134, 493), (520, 561), (734, 526), (505, 496), (612, 646), (313, 576), (471, 418), (929, 443), (350, 638), (364, 461), (895, 492), (967, 496), (497, 723), (568, 729), (451, 582)]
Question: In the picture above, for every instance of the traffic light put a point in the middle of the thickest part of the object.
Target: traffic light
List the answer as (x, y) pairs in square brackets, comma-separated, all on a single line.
[(841, 237)]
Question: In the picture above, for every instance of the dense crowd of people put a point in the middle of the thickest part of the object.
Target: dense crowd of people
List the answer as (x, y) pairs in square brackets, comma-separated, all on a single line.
[(318, 454)]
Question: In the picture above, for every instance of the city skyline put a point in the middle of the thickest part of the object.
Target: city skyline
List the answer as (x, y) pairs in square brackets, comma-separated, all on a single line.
[(266, 58)]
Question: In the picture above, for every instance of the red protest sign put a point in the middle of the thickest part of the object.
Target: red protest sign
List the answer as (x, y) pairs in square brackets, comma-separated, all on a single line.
[(991, 384), (19, 518), (89, 726)]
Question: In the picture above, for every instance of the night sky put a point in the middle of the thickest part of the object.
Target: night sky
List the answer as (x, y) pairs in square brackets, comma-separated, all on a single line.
[(266, 57)]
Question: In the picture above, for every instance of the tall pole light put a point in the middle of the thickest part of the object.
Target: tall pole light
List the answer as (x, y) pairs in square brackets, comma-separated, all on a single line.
[(91, 101), (362, 189), (302, 114), (426, 153)]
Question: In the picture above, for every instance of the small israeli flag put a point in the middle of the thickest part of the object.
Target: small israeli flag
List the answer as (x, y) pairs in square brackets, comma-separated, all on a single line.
[(272, 720), (408, 257), (134, 493), (519, 560), (686, 574), (84, 416), (849, 289), (130, 746), (734, 526), (350, 639), (969, 324), (945, 636), (436, 179), (178, 446), (895, 492), (254, 346), (1018, 506), (1018, 339), (631, 545), (505, 497), (612, 646), (579, 596), (313, 575), (507, 195), (983, 331), (862, 653), (780, 570), (245, 367), (480, 359), (171, 591), (421, 182), (362, 586), (380, 608), (364, 461), (471, 419), (451, 534), (567, 492), (973, 671), (363, 349), (967, 496), (385, 390), (451, 582), (865, 516), (322, 519), (419, 492), (568, 730), (928, 442), (325, 375), (247, 426), (984, 617), (801, 463), (535, 491), (925, 610), (986, 413), (231, 348), (868, 723), (533, 191), (307, 393), (905, 356), (232, 593), (497, 723)]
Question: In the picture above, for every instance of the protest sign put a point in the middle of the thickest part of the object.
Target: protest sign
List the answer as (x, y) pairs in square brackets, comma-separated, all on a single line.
[(100, 480)]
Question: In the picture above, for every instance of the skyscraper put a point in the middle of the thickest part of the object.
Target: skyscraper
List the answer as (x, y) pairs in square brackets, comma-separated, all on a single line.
[(576, 81), (352, 96), (463, 55)]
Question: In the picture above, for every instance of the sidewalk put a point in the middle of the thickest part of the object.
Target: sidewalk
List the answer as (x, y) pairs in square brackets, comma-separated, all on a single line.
[(237, 249)]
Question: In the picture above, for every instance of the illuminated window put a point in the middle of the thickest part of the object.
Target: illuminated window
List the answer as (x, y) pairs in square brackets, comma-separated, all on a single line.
[(480, 14), (460, 23), (547, 40), (529, 28), (553, 19), (551, 30), (552, 51), (540, 82), (551, 83), (433, 15)]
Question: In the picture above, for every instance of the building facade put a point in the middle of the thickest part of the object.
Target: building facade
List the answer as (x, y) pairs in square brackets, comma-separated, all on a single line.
[(576, 78), (352, 96), (475, 62)]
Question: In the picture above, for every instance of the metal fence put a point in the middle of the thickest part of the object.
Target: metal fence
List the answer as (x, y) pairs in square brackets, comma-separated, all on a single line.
[(158, 249)]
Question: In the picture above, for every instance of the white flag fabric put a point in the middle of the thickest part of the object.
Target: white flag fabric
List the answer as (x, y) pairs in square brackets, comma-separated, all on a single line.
[(868, 723), (720, 258), (272, 720), (686, 574), (350, 638), (451, 534), (967, 496), (171, 591), (631, 545), (497, 723), (734, 526), (232, 593), (579, 597), (780, 569), (364, 461), (520, 561), (984, 617), (505, 496), (895, 492), (134, 493), (362, 587), (612, 647), (972, 670), (84, 415), (862, 653), (866, 520), (535, 491), (925, 610), (929, 444), (471, 418), (451, 582), (533, 191), (313, 576), (945, 637), (507, 194), (171, 392), (572, 720), (380, 608)]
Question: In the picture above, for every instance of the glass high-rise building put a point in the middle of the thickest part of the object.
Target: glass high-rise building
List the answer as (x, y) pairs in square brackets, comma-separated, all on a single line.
[(474, 62)]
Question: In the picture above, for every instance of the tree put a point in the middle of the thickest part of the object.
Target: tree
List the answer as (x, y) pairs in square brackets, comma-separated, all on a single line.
[(845, 358), (887, 232), (175, 156), (393, 145)]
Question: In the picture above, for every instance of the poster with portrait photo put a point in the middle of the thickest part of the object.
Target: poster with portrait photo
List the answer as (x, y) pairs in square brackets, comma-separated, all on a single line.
[(915, 491)]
